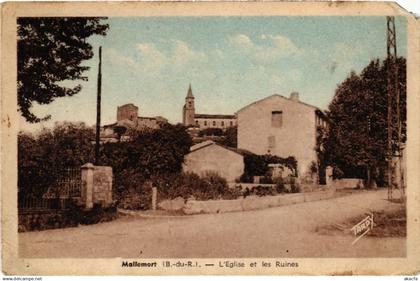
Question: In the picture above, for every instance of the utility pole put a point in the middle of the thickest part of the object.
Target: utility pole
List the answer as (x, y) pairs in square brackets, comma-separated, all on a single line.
[(394, 159), (98, 108)]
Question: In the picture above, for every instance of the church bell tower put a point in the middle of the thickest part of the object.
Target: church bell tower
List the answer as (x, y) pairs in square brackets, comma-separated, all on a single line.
[(189, 109)]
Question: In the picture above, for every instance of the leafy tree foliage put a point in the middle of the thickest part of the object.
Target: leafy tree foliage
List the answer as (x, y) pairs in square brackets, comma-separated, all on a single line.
[(150, 153), (120, 131), (231, 137), (257, 165), (211, 132), (41, 158), (356, 144), (50, 51)]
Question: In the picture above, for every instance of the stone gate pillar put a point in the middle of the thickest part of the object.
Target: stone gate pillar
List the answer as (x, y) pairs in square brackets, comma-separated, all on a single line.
[(87, 185), (329, 176)]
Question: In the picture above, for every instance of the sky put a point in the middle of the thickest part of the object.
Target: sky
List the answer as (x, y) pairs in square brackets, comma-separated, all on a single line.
[(229, 62)]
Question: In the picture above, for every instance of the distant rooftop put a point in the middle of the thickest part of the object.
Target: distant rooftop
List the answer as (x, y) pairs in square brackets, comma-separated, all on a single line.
[(203, 144), (283, 97), (215, 116)]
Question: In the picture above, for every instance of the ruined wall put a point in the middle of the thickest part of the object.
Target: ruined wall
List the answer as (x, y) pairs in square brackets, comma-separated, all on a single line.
[(127, 112)]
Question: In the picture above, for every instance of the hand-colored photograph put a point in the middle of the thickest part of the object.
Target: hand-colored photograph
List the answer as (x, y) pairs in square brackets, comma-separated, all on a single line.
[(212, 137)]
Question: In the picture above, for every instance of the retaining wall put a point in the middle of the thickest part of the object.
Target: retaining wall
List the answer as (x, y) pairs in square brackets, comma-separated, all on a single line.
[(254, 202), (348, 183), (250, 185)]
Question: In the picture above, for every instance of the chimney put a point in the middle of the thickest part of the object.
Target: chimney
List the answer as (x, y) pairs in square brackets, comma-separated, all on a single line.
[(294, 96)]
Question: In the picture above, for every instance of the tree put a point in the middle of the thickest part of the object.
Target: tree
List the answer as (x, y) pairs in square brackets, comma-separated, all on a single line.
[(211, 132), (41, 159), (231, 137), (50, 51), (257, 165), (356, 142), (150, 152)]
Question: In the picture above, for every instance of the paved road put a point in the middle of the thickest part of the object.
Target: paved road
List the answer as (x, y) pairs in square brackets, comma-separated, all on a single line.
[(287, 231)]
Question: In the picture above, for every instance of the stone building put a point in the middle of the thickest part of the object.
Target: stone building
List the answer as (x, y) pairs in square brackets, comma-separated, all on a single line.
[(281, 126), (203, 121), (128, 118), (210, 156)]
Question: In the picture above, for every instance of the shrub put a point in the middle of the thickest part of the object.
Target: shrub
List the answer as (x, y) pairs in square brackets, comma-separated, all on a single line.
[(43, 156), (266, 179), (42, 220), (260, 191), (75, 215), (233, 193), (246, 178), (337, 173), (257, 165), (295, 187), (231, 137), (131, 191), (136, 199), (214, 187), (97, 214), (264, 190), (278, 181), (211, 132), (151, 152), (171, 186), (128, 180), (314, 167), (210, 186)]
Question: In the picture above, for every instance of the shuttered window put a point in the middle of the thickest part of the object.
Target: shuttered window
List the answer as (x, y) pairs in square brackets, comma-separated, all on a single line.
[(277, 119)]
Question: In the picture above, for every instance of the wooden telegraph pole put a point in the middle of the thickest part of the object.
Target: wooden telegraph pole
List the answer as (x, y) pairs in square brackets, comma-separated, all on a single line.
[(98, 108)]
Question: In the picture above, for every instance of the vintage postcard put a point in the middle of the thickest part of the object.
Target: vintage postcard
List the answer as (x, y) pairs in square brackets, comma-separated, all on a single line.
[(194, 138)]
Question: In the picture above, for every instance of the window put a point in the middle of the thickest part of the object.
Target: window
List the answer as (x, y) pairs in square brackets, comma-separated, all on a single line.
[(214, 123), (205, 123), (223, 123), (277, 119), (231, 123), (196, 122)]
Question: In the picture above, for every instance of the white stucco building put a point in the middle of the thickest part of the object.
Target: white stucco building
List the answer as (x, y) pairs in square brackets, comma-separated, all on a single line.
[(281, 126), (210, 156)]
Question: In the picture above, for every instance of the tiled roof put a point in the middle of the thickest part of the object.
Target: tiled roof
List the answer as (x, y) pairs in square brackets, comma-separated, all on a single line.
[(280, 96), (204, 144)]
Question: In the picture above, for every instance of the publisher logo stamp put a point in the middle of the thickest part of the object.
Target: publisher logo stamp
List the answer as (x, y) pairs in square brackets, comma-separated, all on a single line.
[(362, 228)]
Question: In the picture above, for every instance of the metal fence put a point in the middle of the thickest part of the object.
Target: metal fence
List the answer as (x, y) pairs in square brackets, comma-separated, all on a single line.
[(35, 203), (67, 185), (55, 193)]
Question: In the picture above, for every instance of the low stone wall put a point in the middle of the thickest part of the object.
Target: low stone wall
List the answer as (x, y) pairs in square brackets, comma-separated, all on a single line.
[(348, 183), (30, 220), (254, 202), (250, 185), (176, 204)]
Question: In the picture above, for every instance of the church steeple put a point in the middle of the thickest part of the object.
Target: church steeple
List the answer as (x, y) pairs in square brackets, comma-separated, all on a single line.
[(190, 94), (188, 112)]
